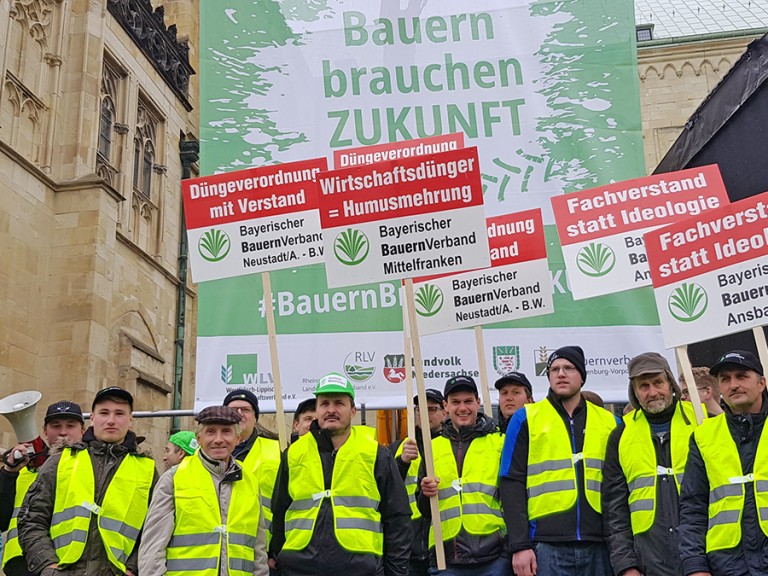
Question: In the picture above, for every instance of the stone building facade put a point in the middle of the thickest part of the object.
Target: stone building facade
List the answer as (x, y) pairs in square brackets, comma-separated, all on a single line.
[(98, 124)]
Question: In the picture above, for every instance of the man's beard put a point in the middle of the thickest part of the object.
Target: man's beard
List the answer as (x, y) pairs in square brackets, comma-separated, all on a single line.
[(658, 406)]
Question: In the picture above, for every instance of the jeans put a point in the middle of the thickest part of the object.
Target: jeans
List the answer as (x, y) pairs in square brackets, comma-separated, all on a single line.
[(573, 559), (499, 567)]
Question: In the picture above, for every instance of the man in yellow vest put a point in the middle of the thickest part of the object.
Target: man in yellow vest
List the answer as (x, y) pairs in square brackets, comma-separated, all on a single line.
[(467, 456), (707, 390), (85, 512), (644, 465), (205, 517), (408, 454), (551, 477), (179, 445), (63, 424), (724, 497), (340, 506), (303, 418), (258, 454), (515, 391)]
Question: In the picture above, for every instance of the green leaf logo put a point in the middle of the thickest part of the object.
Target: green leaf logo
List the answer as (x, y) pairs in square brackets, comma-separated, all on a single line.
[(214, 245), (429, 300), (688, 302), (351, 247), (596, 259)]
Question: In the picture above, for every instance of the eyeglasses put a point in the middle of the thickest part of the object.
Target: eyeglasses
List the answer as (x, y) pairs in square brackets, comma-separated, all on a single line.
[(566, 369), (244, 410), (430, 409)]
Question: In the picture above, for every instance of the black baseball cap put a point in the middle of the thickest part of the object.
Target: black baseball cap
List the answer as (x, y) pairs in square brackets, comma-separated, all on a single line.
[(517, 378), (64, 409), (308, 405), (458, 384), (432, 396), (113, 392), (737, 358), (243, 394)]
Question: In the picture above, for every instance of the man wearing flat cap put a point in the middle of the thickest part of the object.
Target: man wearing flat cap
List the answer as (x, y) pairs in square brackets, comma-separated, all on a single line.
[(259, 455), (724, 497), (408, 455), (644, 466), (515, 391), (552, 474), (63, 425), (340, 506), (85, 512), (204, 517)]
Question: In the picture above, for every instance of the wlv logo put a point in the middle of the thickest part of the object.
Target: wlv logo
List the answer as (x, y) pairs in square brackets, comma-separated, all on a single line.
[(240, 370)]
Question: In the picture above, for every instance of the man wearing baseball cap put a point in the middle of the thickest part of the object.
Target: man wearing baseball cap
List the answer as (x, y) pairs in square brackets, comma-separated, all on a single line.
[(258, 454), (204, 512), (514, 392), (180, 444), (467, 485), (724, 497), (85, 512), (340, 506), (63, 425), (408, 454), (303, 418), (551, 477), (644, 465)]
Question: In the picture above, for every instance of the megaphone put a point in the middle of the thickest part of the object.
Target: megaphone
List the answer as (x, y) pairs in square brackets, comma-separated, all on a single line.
[(19, 409)]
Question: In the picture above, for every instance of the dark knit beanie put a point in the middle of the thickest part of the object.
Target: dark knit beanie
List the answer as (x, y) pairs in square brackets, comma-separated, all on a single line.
[(574, 355)]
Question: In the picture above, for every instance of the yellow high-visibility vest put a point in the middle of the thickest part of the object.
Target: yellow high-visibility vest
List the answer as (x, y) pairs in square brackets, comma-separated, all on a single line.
[(354, 494), (551, 478), (411, 478), (120, 516), (12, 547), (472, 500), (195, 546), (637, 457), (727, 482), (264, 460)]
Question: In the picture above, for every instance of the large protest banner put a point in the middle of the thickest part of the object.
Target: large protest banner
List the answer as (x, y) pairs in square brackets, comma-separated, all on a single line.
[(546, 91), (709, 273)]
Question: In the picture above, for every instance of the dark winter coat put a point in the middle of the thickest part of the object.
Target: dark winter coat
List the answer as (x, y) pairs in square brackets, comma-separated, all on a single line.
[(465, 548), (37, 510), (324, 556)]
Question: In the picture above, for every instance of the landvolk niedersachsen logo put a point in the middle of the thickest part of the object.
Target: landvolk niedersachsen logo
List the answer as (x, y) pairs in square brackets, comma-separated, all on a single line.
[(688, 302), (394, 368), (429, 300), (359, 366), (214, 245), (351, 247), (240, 370), (506, 359), (596, 259)]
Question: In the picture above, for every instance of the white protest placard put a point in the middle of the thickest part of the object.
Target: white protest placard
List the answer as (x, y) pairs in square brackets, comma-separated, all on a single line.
[(601, 229), (710, 273), (518, 284), (397, 150), (253, 220), (400, 219)]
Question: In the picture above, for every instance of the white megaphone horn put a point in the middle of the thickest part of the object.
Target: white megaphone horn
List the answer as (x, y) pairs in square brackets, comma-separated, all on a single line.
[(19, 409)]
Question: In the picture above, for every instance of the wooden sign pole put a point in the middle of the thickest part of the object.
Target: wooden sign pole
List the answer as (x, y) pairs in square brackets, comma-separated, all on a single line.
[(424, 420), (270, 312), (762, 347), (685, 364), (484, 386), (408, 375)]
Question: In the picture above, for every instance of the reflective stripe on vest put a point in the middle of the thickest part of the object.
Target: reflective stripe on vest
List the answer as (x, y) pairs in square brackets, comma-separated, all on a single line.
[(12, 547), (264, 460), (727, 482), (551, 477), (637, 458), (354, 493), (196, 543), (472, 500), (120, 517), (411, 479)]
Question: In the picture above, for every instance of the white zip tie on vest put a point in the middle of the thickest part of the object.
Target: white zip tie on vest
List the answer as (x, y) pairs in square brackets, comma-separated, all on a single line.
[(661, 471), (221, 529), (577, 457), (92, 507), (320, 495), (457, 485), (741, 479)]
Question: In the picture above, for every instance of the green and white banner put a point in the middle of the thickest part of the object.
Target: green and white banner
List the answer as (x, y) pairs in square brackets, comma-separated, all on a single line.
[(546, 91)]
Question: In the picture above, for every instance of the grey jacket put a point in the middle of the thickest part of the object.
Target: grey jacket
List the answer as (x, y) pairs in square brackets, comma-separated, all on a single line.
[(37, 510), (161, 520)]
